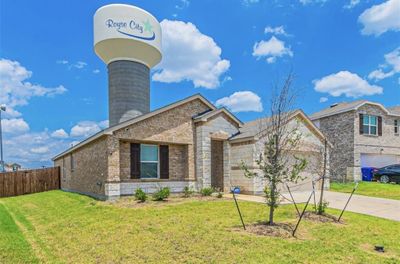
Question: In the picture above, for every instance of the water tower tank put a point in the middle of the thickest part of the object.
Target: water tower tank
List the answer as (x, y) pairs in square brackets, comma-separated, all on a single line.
[(128, 40)]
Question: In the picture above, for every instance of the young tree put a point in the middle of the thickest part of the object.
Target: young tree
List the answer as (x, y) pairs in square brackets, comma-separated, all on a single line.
[(324, 153), (277, 163)]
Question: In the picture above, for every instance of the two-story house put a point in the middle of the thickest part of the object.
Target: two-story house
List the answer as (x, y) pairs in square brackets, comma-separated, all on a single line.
[(363, 134)]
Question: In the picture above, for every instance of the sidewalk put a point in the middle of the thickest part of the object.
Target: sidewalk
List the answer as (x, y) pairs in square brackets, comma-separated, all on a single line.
[(380, 207)]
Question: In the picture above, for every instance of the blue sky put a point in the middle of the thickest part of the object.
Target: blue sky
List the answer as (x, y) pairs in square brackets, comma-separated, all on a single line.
[(55, 87)]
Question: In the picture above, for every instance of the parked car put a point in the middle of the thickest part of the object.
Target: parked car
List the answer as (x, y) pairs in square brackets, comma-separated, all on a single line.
[(387, 174)]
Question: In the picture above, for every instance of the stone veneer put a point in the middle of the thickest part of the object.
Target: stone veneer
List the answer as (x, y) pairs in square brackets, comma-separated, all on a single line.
[(339, 129), (205, 131), (102, 167), (342, 130), (311, 148)]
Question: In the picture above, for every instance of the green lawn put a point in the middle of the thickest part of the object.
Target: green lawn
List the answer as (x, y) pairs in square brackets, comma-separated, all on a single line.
[(58, 227), (375, 189)]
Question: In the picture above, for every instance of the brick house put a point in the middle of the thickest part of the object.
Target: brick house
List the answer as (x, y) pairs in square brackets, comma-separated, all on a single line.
[(363, 133), (188, 143)]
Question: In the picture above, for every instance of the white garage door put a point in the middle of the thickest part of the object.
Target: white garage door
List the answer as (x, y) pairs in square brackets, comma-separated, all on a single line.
[(378, 161)]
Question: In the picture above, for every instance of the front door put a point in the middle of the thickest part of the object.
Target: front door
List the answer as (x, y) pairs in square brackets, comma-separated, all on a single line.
[(217, 164)]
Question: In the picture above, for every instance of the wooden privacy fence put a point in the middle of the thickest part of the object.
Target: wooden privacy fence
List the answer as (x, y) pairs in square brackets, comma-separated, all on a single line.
[(29, 181)]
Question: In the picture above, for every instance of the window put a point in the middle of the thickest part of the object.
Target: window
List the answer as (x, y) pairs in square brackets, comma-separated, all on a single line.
[(148, 161), (396, 126), (370, 125)]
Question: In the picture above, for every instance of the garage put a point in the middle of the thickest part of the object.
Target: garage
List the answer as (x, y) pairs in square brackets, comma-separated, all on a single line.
[(378, 160)]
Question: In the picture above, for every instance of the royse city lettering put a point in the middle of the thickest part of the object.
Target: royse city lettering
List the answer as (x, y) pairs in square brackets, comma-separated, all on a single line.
[(118, 25)]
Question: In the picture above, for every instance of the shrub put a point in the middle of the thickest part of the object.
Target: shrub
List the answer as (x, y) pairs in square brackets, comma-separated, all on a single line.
[(140, 195), (161, 194), (322, 207), (187, 192), (206, 191)]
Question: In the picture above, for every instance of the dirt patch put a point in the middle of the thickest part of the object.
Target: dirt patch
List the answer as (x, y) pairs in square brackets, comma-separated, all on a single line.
[(131, 202), (283, 230), (324, 218)]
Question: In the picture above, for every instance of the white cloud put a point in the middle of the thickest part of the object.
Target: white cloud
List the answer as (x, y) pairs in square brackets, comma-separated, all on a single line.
[(95, 71), (381, 18), (392, 61), (346, 83), (16, 91), (183, 4), (351, 4), (87, 128), (14, 125), (40, 150), (79, 65), (104, 124), (242, 101), (59, 133), (189, 55), (276, 30), (249, 2), (323, 99), (62, 62), (379, 74), (271, 49), (308, 2), (32, 149)]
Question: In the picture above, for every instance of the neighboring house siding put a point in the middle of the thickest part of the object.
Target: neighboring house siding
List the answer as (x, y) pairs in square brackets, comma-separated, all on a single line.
[(311, 148), (339, 129), (89, 172), (343, 131), (387, 144)]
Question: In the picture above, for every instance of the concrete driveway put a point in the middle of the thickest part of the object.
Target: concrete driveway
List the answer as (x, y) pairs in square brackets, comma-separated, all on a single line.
[(384, 208)]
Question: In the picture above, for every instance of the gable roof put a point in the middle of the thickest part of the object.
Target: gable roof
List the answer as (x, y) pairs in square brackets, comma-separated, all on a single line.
[(110, 130), (346, 107), (395, 110), (251, 130), (207, 115)]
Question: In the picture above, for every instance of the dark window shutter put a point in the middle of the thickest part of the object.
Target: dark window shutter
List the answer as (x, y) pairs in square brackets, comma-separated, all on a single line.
[(379, 126), (135, 161), (361, 124), (164, 162)]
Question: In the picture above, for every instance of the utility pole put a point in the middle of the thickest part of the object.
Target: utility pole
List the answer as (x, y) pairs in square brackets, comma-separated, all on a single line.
[(2, 108)]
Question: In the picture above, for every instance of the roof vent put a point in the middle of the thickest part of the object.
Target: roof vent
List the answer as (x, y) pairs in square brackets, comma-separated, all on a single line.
[(333, 105)]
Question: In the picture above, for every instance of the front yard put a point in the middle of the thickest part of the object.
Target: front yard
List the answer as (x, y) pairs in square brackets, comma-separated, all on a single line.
[(375, 189), (59, 227)]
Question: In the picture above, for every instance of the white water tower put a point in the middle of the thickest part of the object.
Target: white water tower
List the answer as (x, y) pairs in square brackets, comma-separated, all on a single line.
[(128, 40)]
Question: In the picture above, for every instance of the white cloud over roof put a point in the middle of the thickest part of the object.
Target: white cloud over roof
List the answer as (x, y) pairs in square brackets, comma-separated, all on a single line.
[(241, 101), (345, 83), (189, 55)]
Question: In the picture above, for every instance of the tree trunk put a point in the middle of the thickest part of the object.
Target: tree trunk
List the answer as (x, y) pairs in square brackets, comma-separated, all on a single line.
[(271, 215)]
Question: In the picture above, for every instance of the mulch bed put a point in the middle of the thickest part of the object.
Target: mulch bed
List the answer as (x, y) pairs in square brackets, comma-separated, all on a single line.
[(324, 218), (282, 230), (131, 202)]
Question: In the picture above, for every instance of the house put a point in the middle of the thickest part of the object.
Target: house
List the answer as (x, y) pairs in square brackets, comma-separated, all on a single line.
[(363, 133), (12, 167), (188, 143)]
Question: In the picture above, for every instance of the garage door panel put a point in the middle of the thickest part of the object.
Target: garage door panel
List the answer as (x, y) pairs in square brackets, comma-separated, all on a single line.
[(378, 161)]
